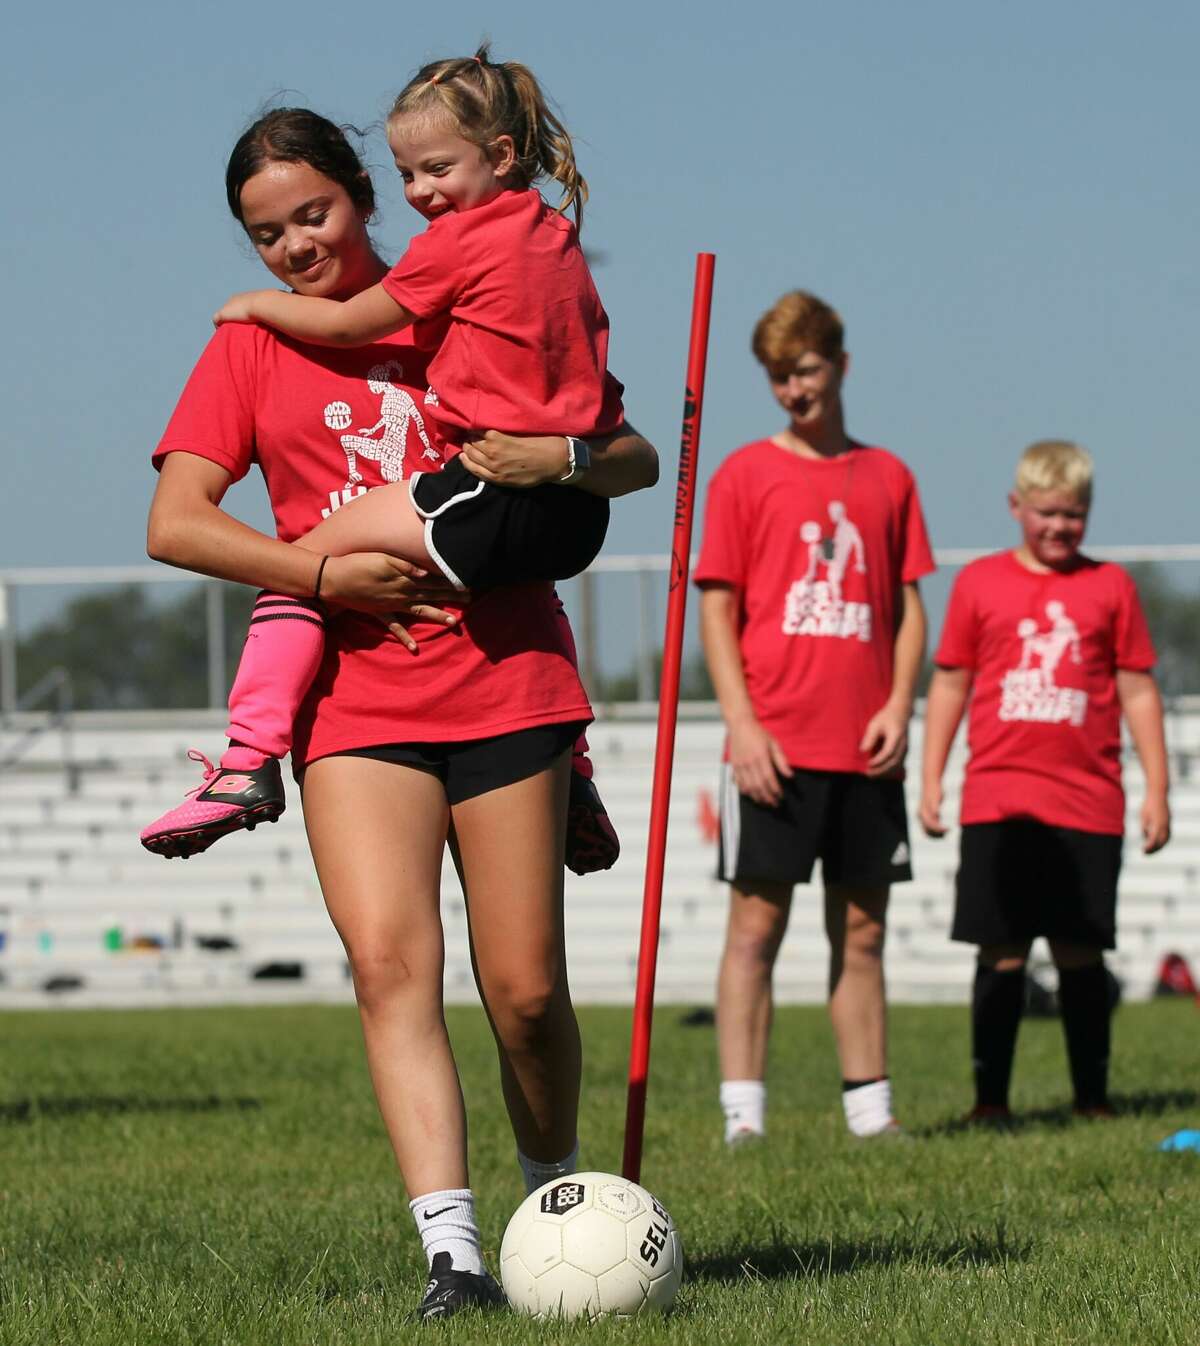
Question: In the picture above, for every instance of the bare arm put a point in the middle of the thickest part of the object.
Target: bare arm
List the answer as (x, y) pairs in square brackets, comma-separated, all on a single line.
[(621, 462), (756, 758), (886, 734), (1142, 707), (188, 528), (944, 708), (358, 321)]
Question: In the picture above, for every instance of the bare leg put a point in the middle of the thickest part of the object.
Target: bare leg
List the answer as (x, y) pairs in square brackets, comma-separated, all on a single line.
[(381, 520), (758, 918), (854, 922), (284, 648), (510, 843), (377, 833), (1004, 957)]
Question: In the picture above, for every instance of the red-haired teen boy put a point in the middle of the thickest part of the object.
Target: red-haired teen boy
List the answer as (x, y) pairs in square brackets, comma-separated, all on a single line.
[(814, 633), (1051, 648)]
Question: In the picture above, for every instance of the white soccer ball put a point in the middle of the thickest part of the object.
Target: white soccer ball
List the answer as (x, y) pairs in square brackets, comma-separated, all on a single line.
[(590, 1244), (337, 415)]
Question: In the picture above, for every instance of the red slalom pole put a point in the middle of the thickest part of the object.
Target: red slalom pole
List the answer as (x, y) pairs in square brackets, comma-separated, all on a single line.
[(668, 706)]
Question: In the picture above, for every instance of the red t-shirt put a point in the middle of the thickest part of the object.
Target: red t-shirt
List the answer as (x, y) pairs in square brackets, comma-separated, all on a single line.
[(527, 345), (817, 550), (316, 420), (1044, 728)]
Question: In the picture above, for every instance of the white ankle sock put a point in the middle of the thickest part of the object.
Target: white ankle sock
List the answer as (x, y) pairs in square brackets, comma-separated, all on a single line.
[(446, 1223), (536, 1173), (869, 1107), (744, 1103)]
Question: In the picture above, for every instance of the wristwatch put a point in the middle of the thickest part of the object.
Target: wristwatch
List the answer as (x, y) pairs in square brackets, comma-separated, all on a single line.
[(579, 459)]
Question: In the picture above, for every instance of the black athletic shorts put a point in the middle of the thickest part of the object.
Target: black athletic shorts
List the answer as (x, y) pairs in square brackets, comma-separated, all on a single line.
[(856, 825), (482, 764), (479, 534), (1019, 879)]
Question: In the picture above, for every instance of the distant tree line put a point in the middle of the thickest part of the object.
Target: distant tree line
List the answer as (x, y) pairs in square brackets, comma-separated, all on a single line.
[(1174, 618), (126, 652)]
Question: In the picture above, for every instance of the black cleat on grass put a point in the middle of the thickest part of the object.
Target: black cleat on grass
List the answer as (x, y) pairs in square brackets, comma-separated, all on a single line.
[(449, 1291), (1094, 1112), (989, 1115)]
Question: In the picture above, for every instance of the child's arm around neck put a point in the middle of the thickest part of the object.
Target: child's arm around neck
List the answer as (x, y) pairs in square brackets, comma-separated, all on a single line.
[(358, 321)]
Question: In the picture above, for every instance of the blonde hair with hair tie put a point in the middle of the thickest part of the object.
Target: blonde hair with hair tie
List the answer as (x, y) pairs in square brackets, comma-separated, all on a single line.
[(485, 100)]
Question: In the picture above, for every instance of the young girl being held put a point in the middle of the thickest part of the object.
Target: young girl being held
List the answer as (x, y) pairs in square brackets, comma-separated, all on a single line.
[(525, 337), (499, 286)]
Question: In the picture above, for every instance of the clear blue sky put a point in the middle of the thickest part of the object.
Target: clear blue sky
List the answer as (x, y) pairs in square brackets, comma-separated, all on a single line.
[(997, 198)]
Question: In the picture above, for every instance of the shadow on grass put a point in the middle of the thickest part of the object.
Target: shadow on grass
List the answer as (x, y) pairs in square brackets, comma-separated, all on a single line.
[(842, 1257), (22, 1110), (1146, 1103)]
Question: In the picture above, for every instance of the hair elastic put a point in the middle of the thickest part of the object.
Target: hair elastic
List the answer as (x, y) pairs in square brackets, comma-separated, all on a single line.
[(320, 576)]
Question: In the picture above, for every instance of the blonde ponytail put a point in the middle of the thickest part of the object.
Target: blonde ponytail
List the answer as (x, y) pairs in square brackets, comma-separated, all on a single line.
[(486, 100)]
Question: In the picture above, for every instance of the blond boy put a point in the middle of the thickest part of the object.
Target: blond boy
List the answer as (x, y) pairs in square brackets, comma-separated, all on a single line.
[(1050, 648)]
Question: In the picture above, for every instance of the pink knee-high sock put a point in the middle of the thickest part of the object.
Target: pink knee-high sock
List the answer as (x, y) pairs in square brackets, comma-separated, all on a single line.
[(580, 761), (279, 661)]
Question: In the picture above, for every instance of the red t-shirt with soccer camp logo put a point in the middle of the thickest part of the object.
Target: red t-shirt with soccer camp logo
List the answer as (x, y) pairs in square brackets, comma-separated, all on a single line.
[(1044, 727), (817, 550), (526, 348), (324, 426)]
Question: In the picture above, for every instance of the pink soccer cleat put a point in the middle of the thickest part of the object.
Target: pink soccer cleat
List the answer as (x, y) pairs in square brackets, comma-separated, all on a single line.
[(592, 841), (225, 801)]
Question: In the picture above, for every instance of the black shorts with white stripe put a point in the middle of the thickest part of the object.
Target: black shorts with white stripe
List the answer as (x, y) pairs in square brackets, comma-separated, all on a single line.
[(479, 534), (855, 825)]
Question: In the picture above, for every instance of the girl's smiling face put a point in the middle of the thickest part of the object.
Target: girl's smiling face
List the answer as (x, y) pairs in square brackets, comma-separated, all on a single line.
[(442, 171), (307, 231)]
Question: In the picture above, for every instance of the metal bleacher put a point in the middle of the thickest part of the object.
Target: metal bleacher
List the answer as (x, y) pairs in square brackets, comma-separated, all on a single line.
[(87, 918)]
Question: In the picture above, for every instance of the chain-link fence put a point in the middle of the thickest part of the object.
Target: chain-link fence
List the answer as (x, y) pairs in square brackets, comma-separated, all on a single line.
[(149, 637)]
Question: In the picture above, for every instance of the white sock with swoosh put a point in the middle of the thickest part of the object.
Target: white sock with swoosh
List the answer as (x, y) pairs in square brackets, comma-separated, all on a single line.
[(446, 1223)]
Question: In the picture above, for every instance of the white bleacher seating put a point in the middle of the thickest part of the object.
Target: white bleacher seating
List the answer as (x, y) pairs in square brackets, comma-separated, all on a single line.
[(74, 878)]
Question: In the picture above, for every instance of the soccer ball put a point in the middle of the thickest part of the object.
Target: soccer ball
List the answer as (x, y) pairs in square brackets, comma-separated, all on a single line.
[(337, 415), (590, 1244)]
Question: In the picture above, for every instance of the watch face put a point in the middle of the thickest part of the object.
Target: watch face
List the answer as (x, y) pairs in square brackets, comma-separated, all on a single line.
[(581, 455)]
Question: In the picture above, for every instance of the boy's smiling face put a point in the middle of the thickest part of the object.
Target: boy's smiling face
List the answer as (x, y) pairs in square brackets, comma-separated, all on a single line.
[(1053, 523)]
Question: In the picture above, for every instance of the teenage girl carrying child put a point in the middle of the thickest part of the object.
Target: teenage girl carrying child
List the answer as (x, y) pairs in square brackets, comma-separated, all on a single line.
[(499, 285)]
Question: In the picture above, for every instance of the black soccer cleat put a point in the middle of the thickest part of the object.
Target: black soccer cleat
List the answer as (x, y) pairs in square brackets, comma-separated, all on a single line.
[(592, 841), (1094, 1112), (449, 1291), (995, 1116)]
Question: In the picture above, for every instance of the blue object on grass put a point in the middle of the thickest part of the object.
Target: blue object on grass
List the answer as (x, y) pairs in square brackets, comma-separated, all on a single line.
[(1182, 1140)]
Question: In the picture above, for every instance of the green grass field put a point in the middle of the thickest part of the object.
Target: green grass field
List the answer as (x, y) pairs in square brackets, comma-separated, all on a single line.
[(219, 1176)]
